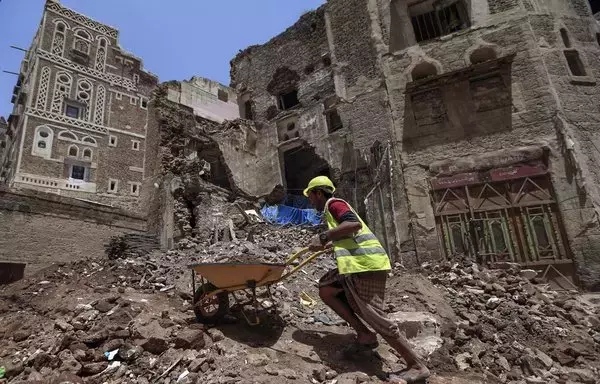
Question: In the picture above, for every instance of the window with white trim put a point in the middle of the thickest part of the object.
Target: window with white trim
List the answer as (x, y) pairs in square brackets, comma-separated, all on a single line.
[(101, 54), (133, 100), (66, 135), (135, 145), (143, 103), (78, 172), (134, 188), (118, 96), (82, 42), (112, 141), (89, 140), (58, 40), (136, 78), (42, 141), (73, 151), (87, 154), (113, 185)]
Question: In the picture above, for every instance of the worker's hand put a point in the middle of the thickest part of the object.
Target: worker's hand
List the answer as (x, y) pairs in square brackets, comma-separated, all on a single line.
[(315, 244)]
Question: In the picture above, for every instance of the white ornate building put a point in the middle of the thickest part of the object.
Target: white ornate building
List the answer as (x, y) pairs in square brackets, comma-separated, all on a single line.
[(80, 115)]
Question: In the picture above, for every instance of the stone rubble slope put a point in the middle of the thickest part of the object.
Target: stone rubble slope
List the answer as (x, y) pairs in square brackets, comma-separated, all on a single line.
[(60, 324)]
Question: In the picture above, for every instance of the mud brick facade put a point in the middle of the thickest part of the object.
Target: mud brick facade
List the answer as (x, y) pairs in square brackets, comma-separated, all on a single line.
[(79, 123), (40, 228), (465, 127)]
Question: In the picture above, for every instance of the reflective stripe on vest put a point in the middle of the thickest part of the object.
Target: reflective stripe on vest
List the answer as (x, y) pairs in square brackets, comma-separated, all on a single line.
[(361, 253)]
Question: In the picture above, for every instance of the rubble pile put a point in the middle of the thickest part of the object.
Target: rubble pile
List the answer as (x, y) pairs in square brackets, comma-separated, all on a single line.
[(131, 245), (516, 329)]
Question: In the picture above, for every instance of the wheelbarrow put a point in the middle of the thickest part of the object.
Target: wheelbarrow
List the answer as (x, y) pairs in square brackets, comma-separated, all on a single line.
[(219, 280)]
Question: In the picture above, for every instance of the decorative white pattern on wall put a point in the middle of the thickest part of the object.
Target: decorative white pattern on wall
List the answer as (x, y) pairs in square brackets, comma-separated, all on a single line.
[(62, 89), (60, 118), (100, 100), (42, 141), (108, 77), (101, 54), (58, 40), (104, 29), (42, 97), (84, 96)]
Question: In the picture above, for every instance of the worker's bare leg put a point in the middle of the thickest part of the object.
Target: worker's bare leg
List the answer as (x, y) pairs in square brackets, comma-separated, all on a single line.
[(329, 295)]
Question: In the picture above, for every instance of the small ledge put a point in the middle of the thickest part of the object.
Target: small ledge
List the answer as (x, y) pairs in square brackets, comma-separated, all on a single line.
[(582, 80)]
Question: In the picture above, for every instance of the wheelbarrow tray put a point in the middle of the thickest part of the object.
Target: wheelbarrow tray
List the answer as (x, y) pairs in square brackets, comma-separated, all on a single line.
[(239, 275)]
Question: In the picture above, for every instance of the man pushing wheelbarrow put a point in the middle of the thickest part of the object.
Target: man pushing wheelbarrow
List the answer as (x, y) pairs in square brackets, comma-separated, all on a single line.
[(355, 290)]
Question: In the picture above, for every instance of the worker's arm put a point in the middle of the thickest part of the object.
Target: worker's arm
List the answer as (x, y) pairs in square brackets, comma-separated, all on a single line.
[(345, 229), (349, 225)]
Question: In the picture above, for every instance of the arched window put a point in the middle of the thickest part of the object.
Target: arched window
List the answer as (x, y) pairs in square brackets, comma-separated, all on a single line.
[(89, 140), (101, 54), (423, 70), (67, 135), (58, 40), (42, 141), (82, 41), (73, 151), (62, 90), (87, 154), (84, 95)]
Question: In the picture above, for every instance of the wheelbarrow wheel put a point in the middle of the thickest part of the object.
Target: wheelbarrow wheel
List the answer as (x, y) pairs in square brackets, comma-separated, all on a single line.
[(209, 310)]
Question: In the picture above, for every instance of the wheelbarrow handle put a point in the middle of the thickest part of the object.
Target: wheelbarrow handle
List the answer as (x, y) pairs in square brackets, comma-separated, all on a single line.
[(303, 263)]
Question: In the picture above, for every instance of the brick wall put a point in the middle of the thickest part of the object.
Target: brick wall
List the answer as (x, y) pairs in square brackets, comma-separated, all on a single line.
[(40, 229)]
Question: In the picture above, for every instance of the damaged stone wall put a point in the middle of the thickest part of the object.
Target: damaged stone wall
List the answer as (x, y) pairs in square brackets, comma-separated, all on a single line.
[(197, 161), (570, 51), (329, 59), (299, 61), (483, 90)]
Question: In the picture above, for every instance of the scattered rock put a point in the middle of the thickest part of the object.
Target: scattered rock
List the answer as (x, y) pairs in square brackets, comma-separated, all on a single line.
[(258, 360), (154, 345), (190, 338)]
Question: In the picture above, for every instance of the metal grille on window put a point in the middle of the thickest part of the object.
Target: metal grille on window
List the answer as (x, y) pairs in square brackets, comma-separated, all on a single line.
[(439, 22)]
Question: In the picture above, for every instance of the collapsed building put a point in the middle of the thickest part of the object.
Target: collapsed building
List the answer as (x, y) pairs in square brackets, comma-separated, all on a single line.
[(458, 128)]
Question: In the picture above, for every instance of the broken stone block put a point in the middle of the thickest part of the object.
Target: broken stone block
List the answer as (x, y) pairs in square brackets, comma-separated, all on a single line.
[(271, 370), (63, 325), (190, 338), (12, 368), (462, 361), (93, 368), (415, 324), (215, 335), (154, 345), (502, 362), (258, 360), (528, 274), (68, 362), (103, 306)]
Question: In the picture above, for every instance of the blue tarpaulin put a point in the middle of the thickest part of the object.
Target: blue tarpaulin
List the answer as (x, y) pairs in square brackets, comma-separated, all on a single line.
[(284, 215)]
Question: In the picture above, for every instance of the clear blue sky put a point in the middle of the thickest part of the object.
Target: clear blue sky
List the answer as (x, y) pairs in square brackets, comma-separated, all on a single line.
[(176, 38)]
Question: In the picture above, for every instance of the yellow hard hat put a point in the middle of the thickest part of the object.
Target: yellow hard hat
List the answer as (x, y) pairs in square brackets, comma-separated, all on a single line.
[(319, 181)]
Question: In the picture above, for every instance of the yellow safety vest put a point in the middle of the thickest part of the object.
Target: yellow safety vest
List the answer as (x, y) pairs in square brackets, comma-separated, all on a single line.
[(361, 253)]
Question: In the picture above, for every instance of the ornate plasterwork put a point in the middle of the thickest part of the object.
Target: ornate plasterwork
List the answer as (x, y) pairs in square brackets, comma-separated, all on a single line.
[(62, 90), (100, 102), (108, 77), (59, 118), (42, 97), (81, 19)]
